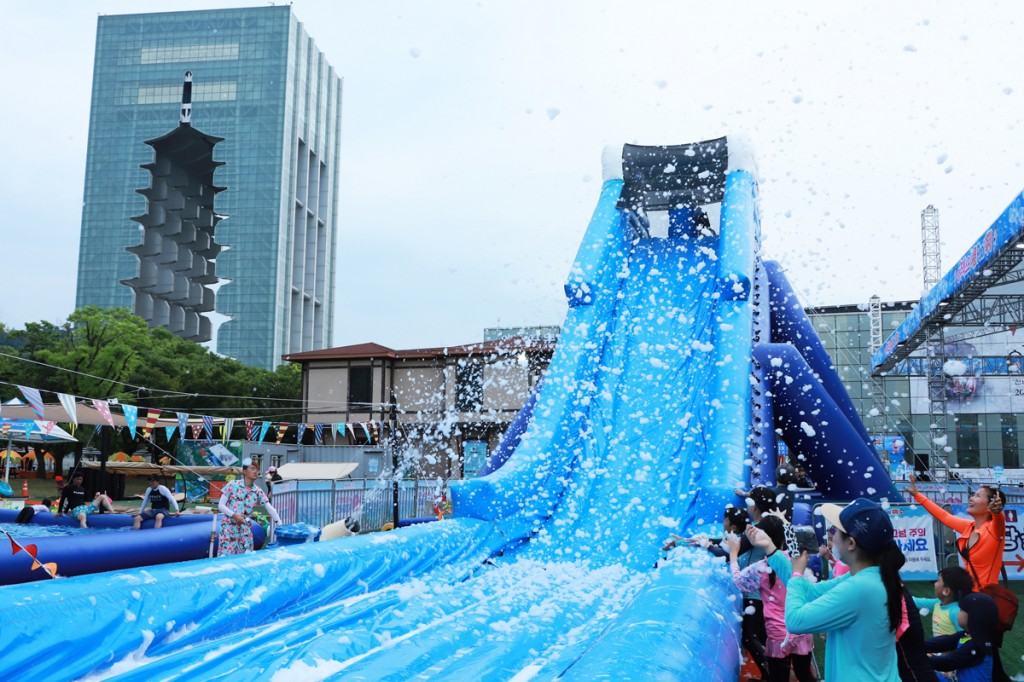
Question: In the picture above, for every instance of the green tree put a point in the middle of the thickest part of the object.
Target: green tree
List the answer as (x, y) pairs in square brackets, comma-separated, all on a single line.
[(102, 347), (114, 354)]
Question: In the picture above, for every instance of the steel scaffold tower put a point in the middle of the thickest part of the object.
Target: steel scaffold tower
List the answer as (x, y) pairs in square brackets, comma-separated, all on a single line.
[(931, 256), (930, 249), (878, 402)]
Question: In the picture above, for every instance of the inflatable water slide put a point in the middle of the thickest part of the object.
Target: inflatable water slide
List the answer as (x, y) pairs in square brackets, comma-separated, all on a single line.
[(682, 359)]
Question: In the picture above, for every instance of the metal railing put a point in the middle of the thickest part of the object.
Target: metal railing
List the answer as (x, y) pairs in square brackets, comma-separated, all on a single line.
[(368, 501)]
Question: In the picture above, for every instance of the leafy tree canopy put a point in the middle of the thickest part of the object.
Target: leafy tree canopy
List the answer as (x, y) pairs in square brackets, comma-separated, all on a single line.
[(114, 354)]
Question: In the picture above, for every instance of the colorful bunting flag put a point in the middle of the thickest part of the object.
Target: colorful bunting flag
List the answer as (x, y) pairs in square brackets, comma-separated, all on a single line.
[(229, 425), (50, 567), (282, 428), (208, 427), (47, 426), (366, 431), (103, 407), (197, 430), (183, 423), (169, 430), (264, 427), (152, 416), (29, 427), (70, 406), (5, 428), (33, 398), (318, 430), (300, 432), (131, 415), (250, 430)]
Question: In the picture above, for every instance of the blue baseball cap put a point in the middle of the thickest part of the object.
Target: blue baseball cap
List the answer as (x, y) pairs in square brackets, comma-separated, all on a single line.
[(863, 520)]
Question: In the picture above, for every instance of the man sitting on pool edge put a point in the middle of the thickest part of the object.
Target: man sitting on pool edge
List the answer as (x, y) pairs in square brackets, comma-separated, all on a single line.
[(160, 500), (72, 500)]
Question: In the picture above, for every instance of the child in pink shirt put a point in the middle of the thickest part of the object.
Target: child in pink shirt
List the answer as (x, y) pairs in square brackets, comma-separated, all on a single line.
[(782, 650)]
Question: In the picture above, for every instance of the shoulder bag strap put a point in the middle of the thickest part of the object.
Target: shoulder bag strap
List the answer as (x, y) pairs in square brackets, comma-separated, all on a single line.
[(966, 554)]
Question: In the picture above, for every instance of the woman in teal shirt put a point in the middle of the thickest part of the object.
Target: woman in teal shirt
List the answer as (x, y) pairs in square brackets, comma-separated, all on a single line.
[(860, 611)]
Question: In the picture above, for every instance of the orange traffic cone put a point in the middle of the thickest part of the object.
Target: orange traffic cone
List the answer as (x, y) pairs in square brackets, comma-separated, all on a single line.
[(24, 488)]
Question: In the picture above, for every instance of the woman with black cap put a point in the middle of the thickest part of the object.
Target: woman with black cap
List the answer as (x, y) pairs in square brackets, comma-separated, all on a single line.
[(861, 610)]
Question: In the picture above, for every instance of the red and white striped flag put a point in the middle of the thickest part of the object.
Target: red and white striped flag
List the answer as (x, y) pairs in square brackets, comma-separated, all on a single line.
[(282, 428), (151, 418)]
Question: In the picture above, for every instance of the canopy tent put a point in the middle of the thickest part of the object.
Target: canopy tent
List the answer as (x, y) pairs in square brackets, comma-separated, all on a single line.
[(33, 431), (143, 468), (316, 471), (31, 455), (29, 431)]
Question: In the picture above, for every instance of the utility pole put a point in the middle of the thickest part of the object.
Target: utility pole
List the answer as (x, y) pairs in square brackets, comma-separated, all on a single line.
[(393, 445), (106, 436)]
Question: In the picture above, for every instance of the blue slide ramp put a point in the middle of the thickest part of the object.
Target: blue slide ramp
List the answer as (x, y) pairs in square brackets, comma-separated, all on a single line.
[(640, 429)]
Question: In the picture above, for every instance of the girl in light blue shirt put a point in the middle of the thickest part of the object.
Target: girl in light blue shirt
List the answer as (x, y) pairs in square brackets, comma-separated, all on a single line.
[(860, 611)]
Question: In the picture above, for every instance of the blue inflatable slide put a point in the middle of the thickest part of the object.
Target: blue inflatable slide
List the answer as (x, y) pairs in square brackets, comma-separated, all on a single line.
[(682, 359)]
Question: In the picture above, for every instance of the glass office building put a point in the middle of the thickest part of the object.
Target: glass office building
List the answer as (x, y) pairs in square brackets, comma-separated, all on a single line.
[(983, 403), (260, 83)]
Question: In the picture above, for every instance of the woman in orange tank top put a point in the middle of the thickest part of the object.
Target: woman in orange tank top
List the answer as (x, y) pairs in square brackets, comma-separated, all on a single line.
[(982, 537)]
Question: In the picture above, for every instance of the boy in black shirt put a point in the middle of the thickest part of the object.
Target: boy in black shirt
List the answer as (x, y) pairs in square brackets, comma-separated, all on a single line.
[(72, 501)]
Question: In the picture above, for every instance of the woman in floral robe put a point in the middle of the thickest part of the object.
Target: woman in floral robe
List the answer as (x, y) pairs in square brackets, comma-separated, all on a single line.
[(238, 499)]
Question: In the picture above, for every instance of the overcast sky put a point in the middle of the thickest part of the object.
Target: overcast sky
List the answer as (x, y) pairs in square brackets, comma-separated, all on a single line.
[(472, 138)]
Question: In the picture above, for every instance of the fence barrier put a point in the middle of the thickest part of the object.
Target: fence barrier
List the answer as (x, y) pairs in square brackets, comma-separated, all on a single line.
[(368, 501)]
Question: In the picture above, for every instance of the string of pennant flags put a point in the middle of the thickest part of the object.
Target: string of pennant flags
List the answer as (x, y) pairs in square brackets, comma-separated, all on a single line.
[(204, 427)]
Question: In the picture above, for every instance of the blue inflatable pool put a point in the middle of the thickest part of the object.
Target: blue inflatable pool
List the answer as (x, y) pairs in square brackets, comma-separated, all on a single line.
[(182, 538)]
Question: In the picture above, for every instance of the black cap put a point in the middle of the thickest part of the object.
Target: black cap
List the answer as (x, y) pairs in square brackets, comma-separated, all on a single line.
[(154, 477)]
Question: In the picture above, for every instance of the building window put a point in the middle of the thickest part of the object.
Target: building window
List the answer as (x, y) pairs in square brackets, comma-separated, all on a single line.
[(968, 447), (910, 455), (1011, 456), (360, 389), (224, 91), (189, 53), (469, 388)]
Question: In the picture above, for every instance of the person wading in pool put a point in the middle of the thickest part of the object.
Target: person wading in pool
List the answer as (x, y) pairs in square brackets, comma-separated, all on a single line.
[(238, 499)]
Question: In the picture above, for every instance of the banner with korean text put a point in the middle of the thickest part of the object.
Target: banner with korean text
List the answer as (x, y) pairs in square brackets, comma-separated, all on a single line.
[(914, 532)]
